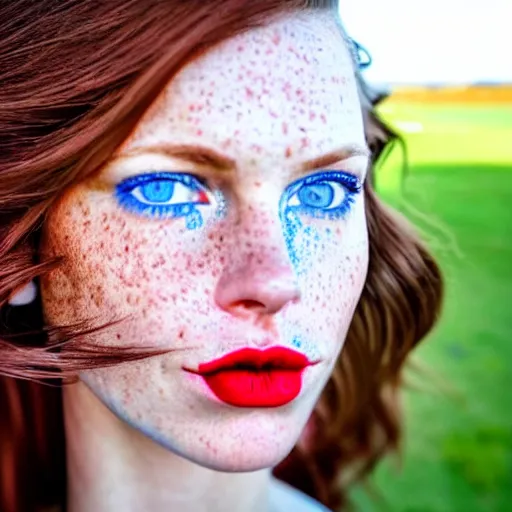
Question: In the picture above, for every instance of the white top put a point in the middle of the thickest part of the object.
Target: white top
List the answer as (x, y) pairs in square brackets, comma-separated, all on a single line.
[(285, 498)]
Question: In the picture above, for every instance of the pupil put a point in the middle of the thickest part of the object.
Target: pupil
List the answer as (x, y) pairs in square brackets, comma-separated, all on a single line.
[(158, 191), (316, 196)]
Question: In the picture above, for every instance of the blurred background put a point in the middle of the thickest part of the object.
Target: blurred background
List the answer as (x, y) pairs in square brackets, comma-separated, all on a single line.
[(447, 68)]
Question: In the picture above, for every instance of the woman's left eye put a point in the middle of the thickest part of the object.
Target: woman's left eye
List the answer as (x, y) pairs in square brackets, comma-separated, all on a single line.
[(324, 194), (162, 195)]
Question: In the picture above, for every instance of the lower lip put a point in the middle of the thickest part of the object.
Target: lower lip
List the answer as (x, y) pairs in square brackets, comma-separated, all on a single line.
[(255, 388)]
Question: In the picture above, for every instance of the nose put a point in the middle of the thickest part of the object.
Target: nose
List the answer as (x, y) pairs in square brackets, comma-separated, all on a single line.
[(256, 289), (257, 282)]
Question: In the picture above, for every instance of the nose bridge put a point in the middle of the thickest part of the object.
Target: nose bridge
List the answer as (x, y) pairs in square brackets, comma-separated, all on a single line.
[(261, 243)]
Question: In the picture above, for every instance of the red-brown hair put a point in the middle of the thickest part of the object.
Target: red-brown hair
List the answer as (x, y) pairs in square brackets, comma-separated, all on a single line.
[(75, 78)]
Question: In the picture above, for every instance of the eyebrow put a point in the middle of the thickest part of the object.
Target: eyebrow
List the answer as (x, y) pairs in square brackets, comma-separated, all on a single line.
[(205, 156), (200, 155), (338, 155)]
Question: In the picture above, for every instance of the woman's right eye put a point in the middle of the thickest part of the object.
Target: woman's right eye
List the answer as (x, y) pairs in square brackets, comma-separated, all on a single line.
[(164, 195)]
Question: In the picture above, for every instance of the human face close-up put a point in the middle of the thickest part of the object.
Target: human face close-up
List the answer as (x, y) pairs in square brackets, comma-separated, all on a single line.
[(229, 228)]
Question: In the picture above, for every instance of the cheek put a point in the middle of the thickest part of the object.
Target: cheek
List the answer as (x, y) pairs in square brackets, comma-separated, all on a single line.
[(335, 274), (117, 265)]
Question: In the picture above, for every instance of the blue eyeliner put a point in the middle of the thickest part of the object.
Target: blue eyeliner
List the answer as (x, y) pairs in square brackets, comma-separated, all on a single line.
[(170, 195), (315, 194), (150, 195)]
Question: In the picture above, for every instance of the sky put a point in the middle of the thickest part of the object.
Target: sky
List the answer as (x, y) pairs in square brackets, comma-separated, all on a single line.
[(435, 41)]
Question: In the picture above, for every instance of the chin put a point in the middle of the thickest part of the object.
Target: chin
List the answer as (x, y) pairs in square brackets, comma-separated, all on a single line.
[(247, 459), (249, 446)]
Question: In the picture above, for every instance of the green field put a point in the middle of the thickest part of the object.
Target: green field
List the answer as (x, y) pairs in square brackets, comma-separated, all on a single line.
[(458, 447)]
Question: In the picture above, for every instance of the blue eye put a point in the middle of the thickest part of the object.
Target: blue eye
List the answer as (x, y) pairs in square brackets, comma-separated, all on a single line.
[(316, 196), (158, 191), (324, 194), (164, 195)]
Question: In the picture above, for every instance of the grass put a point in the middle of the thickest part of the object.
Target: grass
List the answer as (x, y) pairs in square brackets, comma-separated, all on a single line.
[(458, 446)]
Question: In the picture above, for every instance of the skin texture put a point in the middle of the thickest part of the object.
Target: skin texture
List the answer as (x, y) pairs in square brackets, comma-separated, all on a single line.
[(269, 100)]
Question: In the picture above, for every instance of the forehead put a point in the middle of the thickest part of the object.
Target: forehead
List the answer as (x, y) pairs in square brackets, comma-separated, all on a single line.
[(286, 87)]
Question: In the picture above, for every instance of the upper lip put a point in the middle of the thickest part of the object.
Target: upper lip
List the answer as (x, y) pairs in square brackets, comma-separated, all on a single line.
[(274, 357)]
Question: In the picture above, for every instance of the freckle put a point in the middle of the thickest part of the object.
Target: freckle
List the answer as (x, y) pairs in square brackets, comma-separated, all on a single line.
[(288, 152), (304, 143), (240, 48)]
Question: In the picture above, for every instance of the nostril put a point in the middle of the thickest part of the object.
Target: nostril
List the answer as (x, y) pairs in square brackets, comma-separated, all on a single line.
[(248, 304)]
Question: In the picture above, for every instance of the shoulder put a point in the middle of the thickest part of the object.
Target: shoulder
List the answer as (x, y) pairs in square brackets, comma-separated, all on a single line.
[(285, 498)]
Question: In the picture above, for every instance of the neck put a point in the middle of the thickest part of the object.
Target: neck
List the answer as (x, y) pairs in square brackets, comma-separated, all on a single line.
[(113, 467)]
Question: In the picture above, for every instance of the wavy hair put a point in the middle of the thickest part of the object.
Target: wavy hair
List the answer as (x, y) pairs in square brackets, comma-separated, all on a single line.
[(75, 78)]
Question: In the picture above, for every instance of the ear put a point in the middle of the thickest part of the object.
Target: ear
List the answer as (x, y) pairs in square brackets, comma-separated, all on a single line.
[(24, 296)]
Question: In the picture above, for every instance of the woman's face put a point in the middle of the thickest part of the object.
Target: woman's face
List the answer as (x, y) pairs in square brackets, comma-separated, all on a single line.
[(231, 219)]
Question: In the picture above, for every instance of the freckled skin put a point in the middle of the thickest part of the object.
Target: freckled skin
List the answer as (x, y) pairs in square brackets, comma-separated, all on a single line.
[(269, 99)]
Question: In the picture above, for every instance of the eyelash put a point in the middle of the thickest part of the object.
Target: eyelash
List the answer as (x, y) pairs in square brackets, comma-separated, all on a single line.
[(350, 186), (127, 191)]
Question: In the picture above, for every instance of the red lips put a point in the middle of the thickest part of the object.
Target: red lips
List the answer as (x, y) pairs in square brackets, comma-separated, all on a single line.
[(256, 378)]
